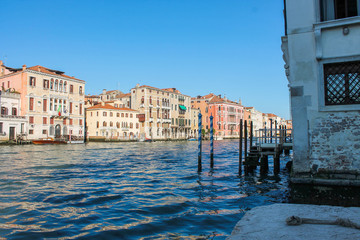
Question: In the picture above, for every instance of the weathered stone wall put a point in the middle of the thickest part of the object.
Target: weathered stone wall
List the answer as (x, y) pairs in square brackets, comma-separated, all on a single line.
[(335, 143)]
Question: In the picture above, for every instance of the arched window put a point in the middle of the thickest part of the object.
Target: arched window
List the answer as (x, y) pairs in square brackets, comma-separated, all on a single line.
[(97, 124), (142, 100), (14, 111), (65, 84), (61, 86), (80, 90), (111, 124), (117, 124), (52, 84), (56, 85), (104, 124)]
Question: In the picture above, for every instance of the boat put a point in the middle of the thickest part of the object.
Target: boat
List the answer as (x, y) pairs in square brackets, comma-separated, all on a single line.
[(218, 138), (48, 141), (192, 139)]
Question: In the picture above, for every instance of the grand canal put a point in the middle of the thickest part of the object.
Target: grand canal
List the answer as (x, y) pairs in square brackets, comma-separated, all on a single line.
[(127, 191)]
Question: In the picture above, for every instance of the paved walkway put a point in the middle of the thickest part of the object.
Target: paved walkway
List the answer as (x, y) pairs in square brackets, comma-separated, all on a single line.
[(269, 222)]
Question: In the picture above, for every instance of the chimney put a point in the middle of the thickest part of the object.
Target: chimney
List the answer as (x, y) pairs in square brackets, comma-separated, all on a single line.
[(24, 67), (104, 91)]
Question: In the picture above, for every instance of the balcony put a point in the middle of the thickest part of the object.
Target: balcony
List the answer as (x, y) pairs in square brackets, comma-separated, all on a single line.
[(168, 120), (12, 117), (56, 114)]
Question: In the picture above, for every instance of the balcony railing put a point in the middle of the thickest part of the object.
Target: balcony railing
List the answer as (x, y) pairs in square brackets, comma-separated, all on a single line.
[(12, 116)]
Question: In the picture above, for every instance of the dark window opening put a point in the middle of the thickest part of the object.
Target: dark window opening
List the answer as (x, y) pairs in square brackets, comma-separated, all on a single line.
[(342, 83), (337, 9)]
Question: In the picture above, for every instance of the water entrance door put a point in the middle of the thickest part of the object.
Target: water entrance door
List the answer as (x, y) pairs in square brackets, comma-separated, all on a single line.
[(12, 133), (57, 131)]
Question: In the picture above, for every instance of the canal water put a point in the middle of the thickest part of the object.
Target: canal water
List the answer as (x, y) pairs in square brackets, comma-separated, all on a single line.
[(127, 191)]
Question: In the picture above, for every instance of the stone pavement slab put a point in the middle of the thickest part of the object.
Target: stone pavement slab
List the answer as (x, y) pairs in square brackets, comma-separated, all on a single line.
[(269, 222)]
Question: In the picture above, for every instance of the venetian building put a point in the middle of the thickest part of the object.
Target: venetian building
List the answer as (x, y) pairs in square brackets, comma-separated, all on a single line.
[(52, 102)]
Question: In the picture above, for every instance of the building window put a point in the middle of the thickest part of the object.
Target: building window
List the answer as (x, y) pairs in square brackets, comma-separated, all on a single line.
[(342, 83), (71, 88), (44, 131), (104, 124), (126, 115), (104, 114), (4, 111), (80, 122), (1, 127), (51, 121), (337, 9), (64, 121), (111, 114), (52, 84), (70, 121), (97, 124), (137, 125), (118, 115), (122, 115), (46, 84), (32, 81), (80, 90), (45, 105), (44, 120), (31, 132), (31, 104), (80, 109), (71, 108), (31, 119)]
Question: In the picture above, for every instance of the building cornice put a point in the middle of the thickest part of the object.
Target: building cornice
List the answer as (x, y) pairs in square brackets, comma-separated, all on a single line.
[(55, 76)]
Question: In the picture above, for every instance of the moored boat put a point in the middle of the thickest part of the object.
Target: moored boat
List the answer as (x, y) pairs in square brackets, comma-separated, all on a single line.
[(48, 141)]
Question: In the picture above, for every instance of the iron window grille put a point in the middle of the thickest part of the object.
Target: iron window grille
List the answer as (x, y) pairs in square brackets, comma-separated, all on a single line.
[(342, 83)]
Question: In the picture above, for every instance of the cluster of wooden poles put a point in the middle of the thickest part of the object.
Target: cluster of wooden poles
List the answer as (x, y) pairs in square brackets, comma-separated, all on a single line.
[(244, 136)]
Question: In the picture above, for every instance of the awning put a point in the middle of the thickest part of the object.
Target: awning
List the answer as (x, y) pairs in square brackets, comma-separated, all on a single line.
[(182, 107)]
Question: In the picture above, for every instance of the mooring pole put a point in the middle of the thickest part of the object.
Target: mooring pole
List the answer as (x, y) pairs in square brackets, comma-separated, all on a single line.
[(245, 142), (265, 132), (271, 131), (199, 144), (275, 132), (240, 145), (251, 134), (211, 142)]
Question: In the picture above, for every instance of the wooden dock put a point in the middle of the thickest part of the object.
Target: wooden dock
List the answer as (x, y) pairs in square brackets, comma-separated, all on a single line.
[(265, 143)]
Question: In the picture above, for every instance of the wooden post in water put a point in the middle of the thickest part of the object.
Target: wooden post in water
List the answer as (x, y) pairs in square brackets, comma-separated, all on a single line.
[(245, 145), (251, 134), (211, 142), (276, 163), (271, 131), (240, 145), (265, 132), (264, 164), (199, 143), (276, 132)]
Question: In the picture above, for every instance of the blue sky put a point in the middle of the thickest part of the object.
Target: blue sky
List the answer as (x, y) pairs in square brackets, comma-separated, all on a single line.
[(229, 47)]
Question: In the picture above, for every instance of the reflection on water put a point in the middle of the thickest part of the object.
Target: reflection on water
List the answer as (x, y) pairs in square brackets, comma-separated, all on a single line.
[(127, 191)]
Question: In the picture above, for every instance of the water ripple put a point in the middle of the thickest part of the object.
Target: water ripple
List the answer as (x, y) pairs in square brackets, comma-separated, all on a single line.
[(127, 191)]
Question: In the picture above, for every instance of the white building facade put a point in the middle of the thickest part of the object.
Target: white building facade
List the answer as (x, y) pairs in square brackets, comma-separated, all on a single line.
[(11, 123), (322, 62)]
